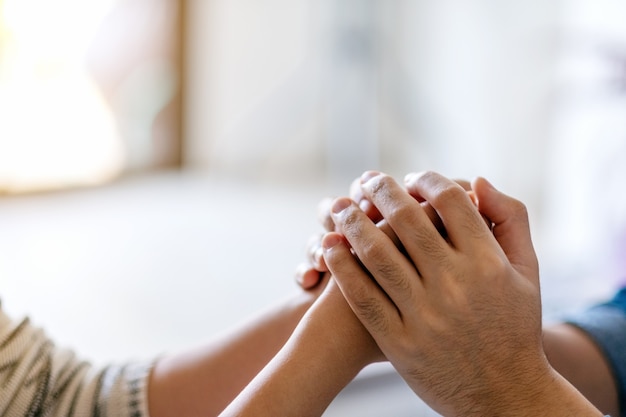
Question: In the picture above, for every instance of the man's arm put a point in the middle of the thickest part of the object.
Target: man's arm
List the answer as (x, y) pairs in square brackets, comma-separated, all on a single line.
[(569, 349)]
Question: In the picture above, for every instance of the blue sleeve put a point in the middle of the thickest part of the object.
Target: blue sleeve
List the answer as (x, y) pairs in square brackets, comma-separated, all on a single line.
[(606, 325)]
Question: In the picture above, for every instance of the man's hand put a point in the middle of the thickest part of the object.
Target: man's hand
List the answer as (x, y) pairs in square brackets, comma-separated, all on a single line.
[(311, 272), (458, 314)]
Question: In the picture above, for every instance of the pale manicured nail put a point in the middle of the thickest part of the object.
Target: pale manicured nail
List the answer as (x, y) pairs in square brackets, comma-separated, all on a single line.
[(411, 178), (368, 175), (340, 205), (330, 241)]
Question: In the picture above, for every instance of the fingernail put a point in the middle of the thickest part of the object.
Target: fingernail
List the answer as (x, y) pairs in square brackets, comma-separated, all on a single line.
[(365, 205), (330, 241), (487, 183), (317, 255), (357, 194), (300, 271), (340, 205), (411, 178), (368, 175)]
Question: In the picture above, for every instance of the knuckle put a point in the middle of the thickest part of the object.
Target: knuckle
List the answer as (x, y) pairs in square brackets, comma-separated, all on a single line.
[(382, 185), (449, 194), (519, 209), (350, 223), (374, 250), (475, 225), (403, 212), (429, 176), (491, 266)]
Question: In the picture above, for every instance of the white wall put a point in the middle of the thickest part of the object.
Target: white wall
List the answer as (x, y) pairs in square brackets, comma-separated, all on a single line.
[(586, 205), (302, 89), (254, 86), (462, 87)]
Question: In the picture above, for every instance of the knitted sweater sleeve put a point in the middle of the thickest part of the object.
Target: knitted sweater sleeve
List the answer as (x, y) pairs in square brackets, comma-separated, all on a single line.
[(39, 379)]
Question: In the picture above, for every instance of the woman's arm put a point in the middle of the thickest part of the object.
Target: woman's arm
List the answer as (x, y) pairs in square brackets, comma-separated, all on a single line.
[(326, 351), (203, 381)]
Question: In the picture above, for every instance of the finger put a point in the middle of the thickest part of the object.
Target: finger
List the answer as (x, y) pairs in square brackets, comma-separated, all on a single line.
[(466, 185), (423, 243), (430, 212), (461, 219), (377, 252), (368, 208), (315, 253), (434, 217), (308, 277), (356, 194), (510, 224), (323, 214), (368, 302)]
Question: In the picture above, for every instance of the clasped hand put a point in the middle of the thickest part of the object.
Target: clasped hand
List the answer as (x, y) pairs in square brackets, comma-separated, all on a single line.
[(436, 295)]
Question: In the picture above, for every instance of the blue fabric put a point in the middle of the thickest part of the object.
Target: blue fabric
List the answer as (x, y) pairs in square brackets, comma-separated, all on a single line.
[(606, 325), (619, 301)]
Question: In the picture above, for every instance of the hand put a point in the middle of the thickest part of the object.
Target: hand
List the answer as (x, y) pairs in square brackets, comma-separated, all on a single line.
[(311, 272), (459, 315), (327, 350)]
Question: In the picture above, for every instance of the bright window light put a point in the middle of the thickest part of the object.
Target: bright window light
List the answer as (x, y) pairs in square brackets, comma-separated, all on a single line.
[(55, 128)]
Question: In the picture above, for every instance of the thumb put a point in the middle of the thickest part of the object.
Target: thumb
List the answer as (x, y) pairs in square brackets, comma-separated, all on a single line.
[(510, 224)]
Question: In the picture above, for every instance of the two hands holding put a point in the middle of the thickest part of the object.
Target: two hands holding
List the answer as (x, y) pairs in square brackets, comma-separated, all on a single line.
[(437, 277), (441, 281), (444, 277), (436, 286)]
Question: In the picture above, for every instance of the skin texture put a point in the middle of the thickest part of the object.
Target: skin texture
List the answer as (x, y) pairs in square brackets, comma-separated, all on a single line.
[(453, 324), (203, 381), (458, 314), (575, 356), (569, 350), (314, 365)]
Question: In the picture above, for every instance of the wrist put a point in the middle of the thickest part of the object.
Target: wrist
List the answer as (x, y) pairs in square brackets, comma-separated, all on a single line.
[(321, 357), (560, 398), (541, 391), (331, 319)]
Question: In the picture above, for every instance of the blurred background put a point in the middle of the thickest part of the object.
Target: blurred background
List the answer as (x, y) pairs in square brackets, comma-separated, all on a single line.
[(161, 160)]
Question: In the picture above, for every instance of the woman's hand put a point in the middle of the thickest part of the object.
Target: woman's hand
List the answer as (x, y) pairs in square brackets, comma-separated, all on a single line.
[(327, 350)]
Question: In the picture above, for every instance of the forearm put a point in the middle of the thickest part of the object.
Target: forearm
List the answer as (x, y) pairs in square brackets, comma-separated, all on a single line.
[(319, 360), (203, 381), (572, 353), (550, 396)]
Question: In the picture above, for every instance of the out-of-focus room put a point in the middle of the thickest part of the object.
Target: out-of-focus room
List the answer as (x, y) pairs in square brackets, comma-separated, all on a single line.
[(161, 161)]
